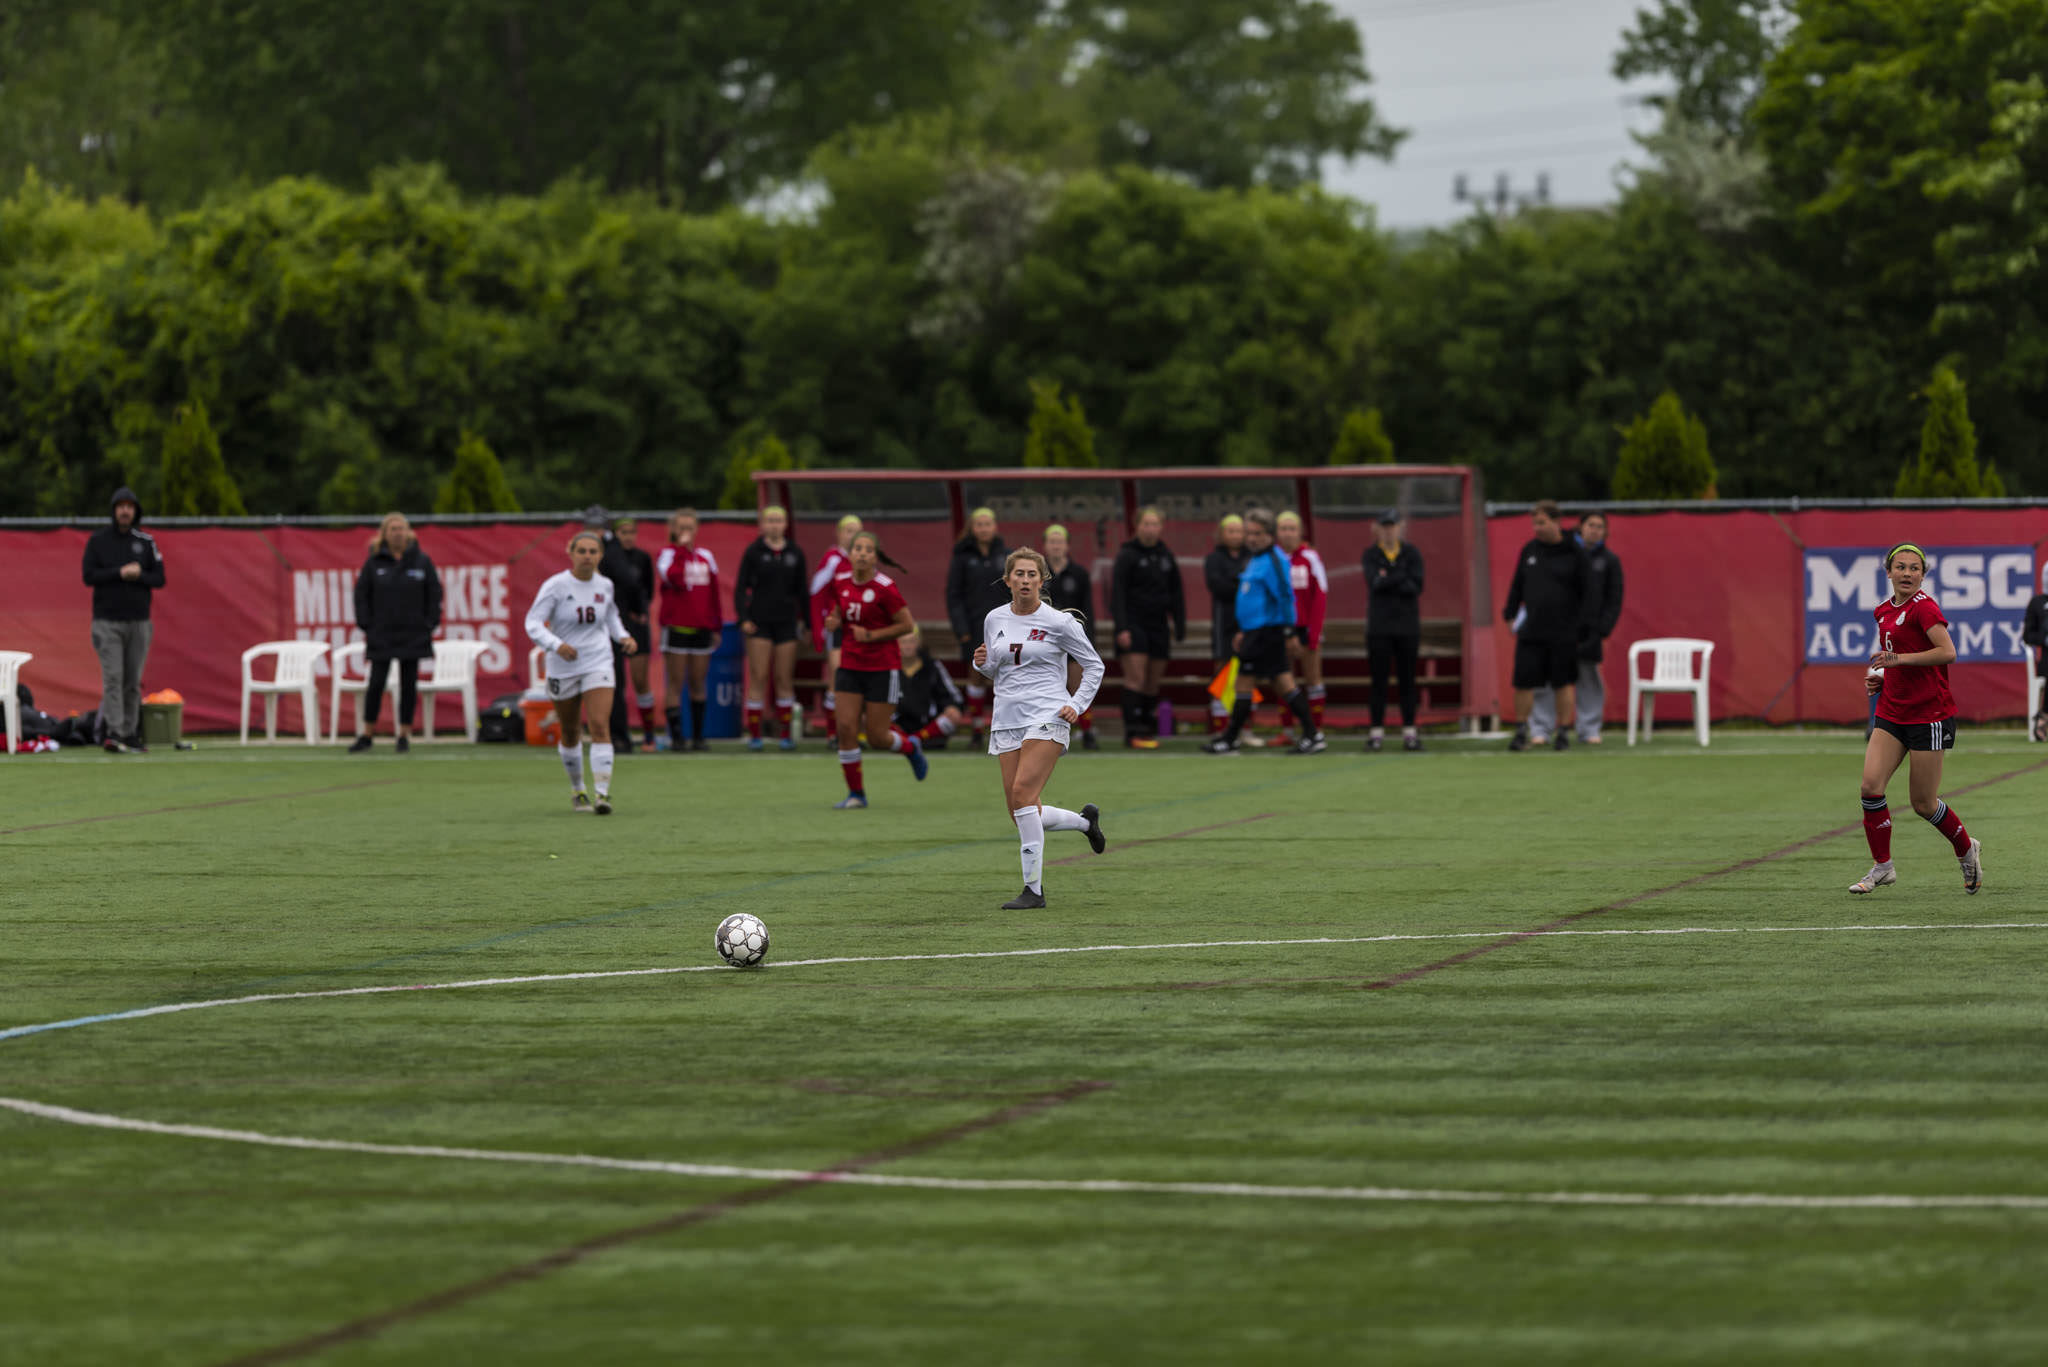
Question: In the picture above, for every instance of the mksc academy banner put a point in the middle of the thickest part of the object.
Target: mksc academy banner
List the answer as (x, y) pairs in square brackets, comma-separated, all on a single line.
[(227, 589), (1983, 591)]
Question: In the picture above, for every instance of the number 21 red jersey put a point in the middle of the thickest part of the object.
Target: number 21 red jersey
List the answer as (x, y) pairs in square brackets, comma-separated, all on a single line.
[(873, 605), (1912, 693)]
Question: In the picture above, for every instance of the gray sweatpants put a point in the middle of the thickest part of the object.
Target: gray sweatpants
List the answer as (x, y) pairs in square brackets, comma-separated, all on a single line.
[(122, 648), (1591, 700)]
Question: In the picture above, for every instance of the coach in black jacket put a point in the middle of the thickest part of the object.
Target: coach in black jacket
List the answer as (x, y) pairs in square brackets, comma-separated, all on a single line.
[(974, 589), (1551, 594), (1393, 631), (398, 607), (1604, 588), (124, 567), (634, 595)]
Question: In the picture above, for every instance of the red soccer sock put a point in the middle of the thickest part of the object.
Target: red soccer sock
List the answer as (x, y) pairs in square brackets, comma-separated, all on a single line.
[(1219, 717), (898, 741), (1315, 706), (753, 721), (790, 714), (1949, 824), (1877, 829), (850, 768)]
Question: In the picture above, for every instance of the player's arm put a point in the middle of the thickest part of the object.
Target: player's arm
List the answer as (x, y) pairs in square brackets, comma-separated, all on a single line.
[(1319, 596), (537, 626), (1943, 653), (1513, 604), (1082, 650), (1177, 602), (743, 590)]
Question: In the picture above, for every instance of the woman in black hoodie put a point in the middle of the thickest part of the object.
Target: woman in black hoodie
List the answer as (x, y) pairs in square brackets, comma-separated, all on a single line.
[(974, 589), (1150, 610), (398, 607), (1220, 569)]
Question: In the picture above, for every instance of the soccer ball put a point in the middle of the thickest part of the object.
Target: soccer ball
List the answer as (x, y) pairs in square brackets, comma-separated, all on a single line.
[(742, 940)]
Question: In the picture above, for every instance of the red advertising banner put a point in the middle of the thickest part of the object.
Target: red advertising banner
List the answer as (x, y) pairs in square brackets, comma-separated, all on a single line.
[(226, 589), (1757, 584)]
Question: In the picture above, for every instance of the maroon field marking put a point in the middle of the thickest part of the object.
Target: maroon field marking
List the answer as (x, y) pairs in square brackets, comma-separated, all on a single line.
[(1518, 937), (1156, 839), (371, 1325), (197, 806)]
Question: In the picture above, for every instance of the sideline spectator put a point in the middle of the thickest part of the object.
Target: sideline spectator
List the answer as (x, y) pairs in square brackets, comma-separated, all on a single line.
[(1393, 628), (692, 620), (1550, 602), (631, 593), (1265, 620), (637, 626), (771, 596), (930, 708), (124, 567), (1605, 569), (1149, 607), (2035, 634), (974, 589), (1069, 587), (1311, 606), (1220, 569), (398, 608)]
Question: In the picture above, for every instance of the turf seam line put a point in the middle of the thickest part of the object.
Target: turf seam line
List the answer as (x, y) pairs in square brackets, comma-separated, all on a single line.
[(1741, 866), (1158, 839), (783, 1184), (199, 806)]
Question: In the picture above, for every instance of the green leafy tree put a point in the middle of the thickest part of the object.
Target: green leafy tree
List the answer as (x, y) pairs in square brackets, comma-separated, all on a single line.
[(477, 483), (1714, 53), (1060, 436), (1664, 455), (196, 482), (1947, 464), (1363, 440), (753, 452)]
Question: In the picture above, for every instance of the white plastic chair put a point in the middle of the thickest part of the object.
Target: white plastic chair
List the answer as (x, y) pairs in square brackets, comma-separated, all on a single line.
[(536, 670), (343, 677), (294, 674), (2027, 712), (1671, 671), (454, 672), (11, 662)]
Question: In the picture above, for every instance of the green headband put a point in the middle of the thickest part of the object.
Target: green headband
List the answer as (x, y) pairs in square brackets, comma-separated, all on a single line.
[(1904, 546)]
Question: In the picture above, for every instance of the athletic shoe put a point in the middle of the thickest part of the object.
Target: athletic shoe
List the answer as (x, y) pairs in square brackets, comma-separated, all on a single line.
[(580, 803), (405, 745), (786, 743), (660, 744), (1093, 816), (1026, 900), (1593, 740), (1879, 876), (1412, 744), (1313, 744), (362, 743), (698, 743), (136, 744), (1973, 866), (604, 804), (1221, 746), (754, 743), (1089, 742), (1252, 743), (1374, 744), (2041, 726), (114, 745), (1521, 739), (1140, 743), (850, 802), (919, 765), (1562, 740)]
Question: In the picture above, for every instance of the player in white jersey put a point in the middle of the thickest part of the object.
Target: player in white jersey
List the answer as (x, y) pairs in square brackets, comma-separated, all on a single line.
[(1025, 648), (575, 618)]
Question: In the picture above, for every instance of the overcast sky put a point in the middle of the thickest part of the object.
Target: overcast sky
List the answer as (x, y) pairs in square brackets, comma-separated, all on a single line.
[(1486, 86)]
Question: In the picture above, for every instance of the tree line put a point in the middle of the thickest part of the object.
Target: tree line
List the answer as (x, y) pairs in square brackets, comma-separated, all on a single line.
[(1829, 255)]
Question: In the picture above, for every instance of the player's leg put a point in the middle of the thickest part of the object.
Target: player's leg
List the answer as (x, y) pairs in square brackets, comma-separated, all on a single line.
[(599, 701), (408, 701), (760, 675), (569, 717), (1923, 780), (697, 666), (1542, 714), (1295, 697), (1407, 653), (1088, 820), (1155, 682), (1312, 680), (1883, 753), (1026, 782), (1592, 713), (846, 707), (1564, 685), (884, 734), (1528, 677), (1131, 698), (785, 690), (638, 668), (377, 676), (674, 679), (1379, 663)]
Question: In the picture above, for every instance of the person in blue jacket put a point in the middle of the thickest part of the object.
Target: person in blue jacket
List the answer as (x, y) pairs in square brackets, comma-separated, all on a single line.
[(1265, 619)]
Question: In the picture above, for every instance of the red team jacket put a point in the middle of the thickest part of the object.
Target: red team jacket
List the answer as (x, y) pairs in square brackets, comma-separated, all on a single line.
[(1912, 694), (825, 592), (1311, 594), (689, 589)]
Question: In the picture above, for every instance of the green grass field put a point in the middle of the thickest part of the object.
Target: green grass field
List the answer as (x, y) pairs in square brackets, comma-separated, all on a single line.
[(1801, 1054)]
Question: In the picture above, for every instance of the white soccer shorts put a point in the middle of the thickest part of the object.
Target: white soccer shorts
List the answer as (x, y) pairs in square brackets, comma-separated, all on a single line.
[(576, 685), (1012, 738)]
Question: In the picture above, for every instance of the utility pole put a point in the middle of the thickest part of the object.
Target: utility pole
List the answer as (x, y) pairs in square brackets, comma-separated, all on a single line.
[(1503, 196)]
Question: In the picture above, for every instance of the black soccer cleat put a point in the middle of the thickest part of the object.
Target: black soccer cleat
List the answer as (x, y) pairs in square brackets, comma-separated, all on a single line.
[(1374, 744), (1521, 739), (1088, 741), (1026, 900), (1222, 745), (1562, 740), (1093, 816), (1411, 744), (362, 743), (604, 804), (1313, 743)]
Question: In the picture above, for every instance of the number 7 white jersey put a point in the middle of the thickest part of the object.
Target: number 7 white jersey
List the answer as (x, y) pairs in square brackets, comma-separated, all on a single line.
[(1027, 658), (583, 613)]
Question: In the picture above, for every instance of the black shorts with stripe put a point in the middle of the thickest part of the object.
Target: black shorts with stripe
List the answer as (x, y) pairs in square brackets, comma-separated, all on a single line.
[(873, 685), (1921, 735)]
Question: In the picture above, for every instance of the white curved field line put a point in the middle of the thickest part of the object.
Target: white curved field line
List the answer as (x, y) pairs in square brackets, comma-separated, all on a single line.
[(1850, 1201)]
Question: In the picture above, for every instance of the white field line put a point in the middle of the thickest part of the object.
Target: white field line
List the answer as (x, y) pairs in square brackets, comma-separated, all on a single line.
[(1100, 1186), (172, 1008)]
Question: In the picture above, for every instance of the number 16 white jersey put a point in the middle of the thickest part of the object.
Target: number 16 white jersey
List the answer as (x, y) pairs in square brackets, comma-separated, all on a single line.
[(582, 612), (1027, 658)]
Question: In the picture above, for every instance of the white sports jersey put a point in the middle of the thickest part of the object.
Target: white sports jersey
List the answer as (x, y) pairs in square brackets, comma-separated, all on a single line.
[(1027, 658), (584, 613)]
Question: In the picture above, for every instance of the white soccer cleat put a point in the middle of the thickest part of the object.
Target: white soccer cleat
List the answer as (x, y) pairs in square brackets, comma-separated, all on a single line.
[(1973, 866), (1879, 875)]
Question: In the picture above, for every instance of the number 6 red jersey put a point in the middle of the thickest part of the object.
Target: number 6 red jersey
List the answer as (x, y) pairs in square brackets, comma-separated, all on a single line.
[(873, 605), (1912, 693)]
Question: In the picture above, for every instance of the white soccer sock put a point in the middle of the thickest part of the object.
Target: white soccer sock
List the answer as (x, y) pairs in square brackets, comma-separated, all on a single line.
[(1060, 819), (572, 761), (1030, 844), (644, 701), (1378, 733), (947, 726), (601, 765), (831, 700)]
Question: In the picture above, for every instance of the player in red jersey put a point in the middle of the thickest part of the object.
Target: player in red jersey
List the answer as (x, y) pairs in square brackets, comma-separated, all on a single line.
[(1311, 606), (824, 597), (1916, 720), (870, 616), (692, 617)]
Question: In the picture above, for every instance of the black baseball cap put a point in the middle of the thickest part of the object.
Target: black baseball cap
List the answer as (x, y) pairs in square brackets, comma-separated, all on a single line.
[(1391, 517), (596, 516)]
